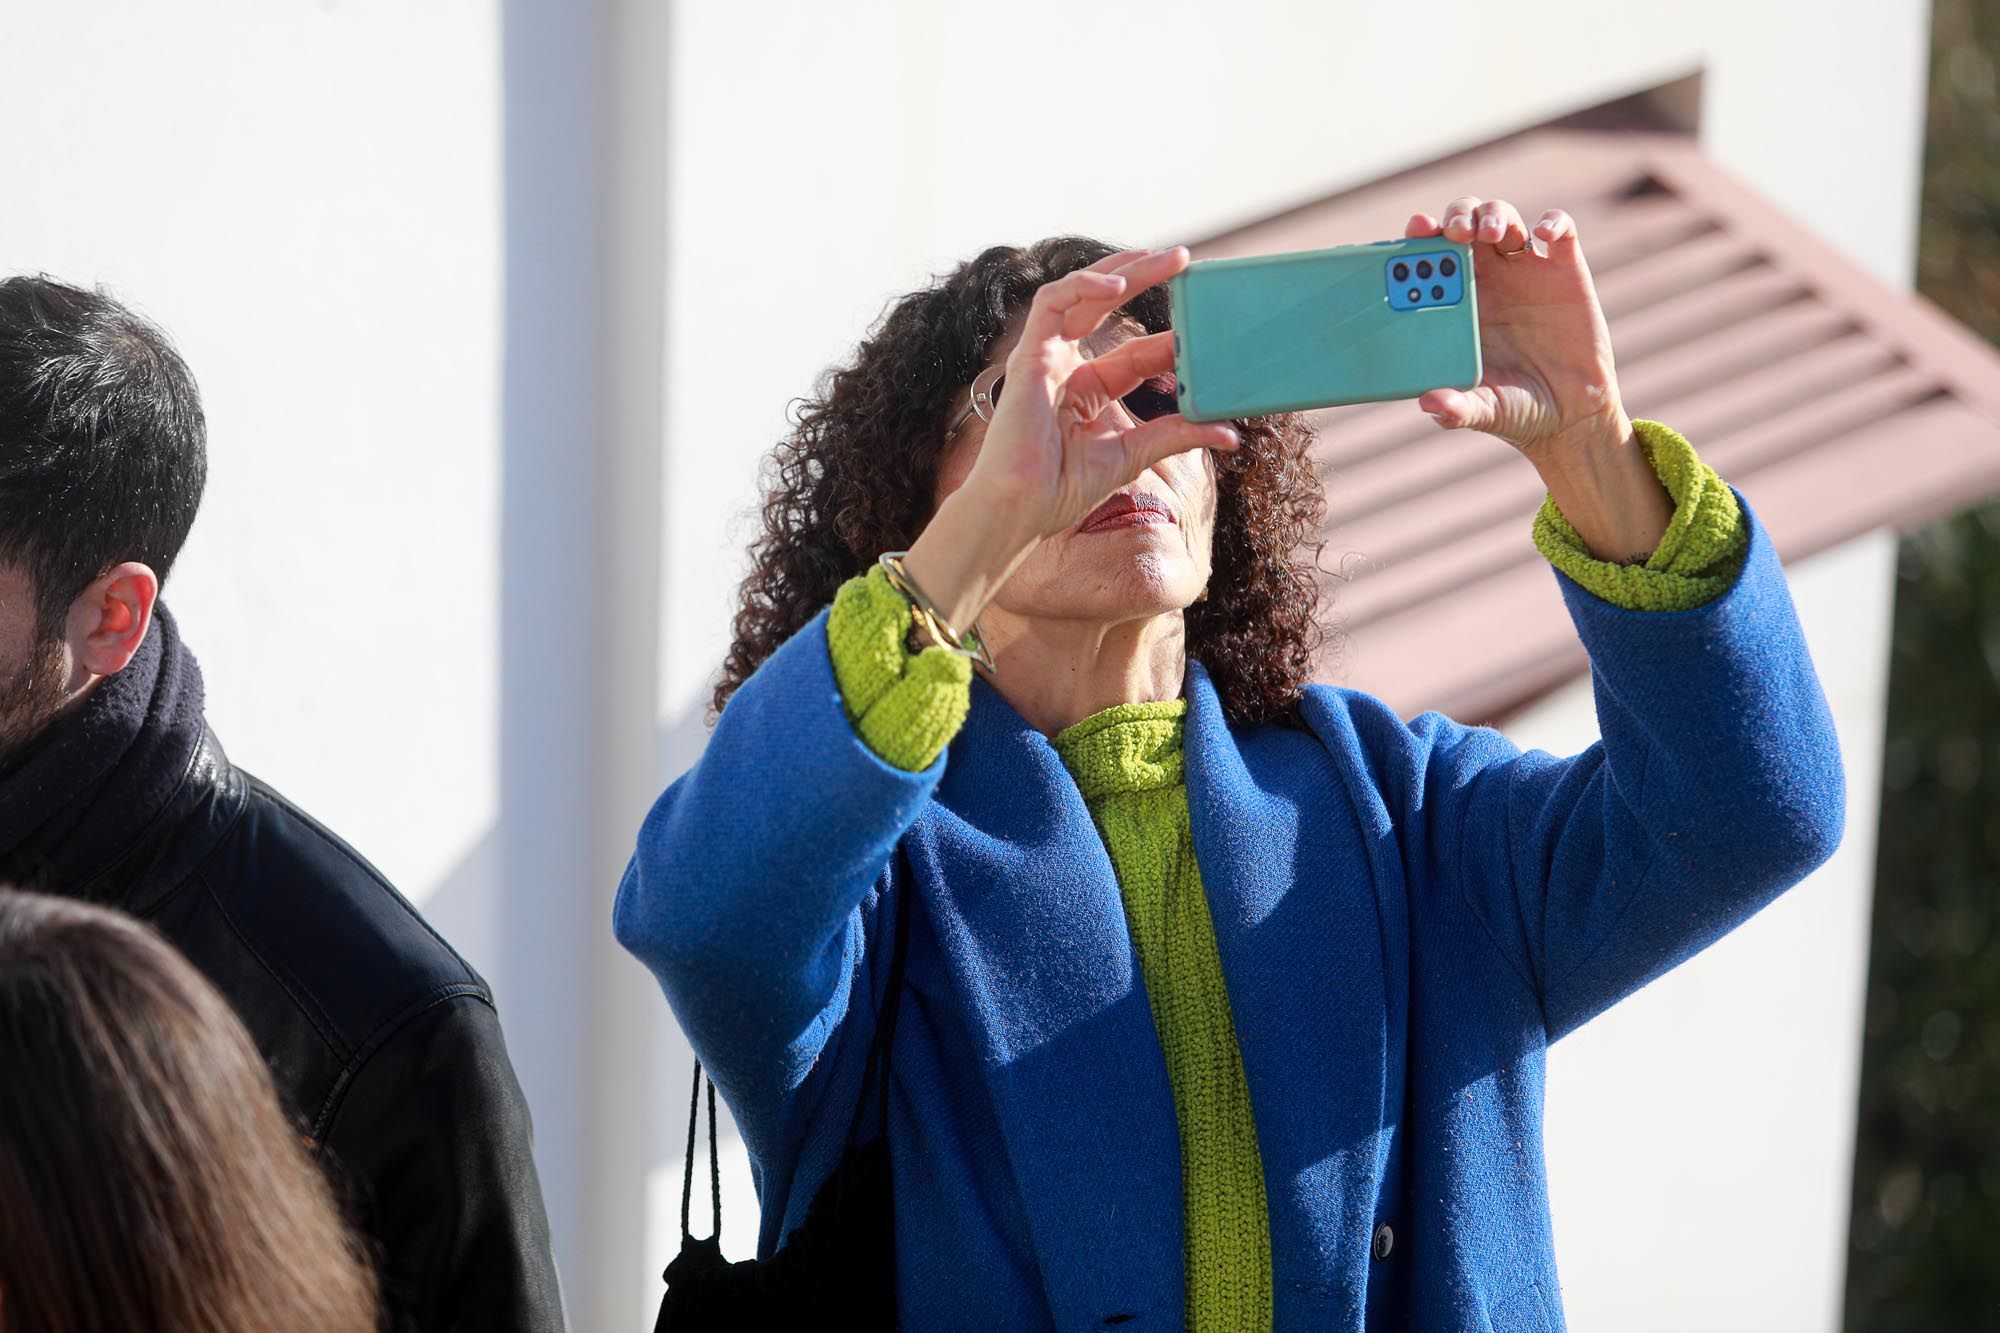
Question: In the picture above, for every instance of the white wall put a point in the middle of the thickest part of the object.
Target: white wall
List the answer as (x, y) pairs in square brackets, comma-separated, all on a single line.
[(1701, 1133), (420, 589), (307, 197), (826, 158)]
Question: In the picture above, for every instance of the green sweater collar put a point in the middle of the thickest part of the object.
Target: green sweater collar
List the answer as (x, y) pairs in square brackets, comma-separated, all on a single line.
[(1132, 747)]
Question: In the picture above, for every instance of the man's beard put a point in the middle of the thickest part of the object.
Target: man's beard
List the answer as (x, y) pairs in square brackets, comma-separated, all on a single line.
[(31, 697)]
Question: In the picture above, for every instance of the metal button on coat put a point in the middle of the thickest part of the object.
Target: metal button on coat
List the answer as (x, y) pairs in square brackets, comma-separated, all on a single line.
[(1385, 1240)]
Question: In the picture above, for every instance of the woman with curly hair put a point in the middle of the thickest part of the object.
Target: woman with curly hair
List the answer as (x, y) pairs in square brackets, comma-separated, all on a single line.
[(1223, 995)]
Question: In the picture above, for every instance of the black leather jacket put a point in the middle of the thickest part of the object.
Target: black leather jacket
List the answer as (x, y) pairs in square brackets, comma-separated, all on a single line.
[(383, 1042)]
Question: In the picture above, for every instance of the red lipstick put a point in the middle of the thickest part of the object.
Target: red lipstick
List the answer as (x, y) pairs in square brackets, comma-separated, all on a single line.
[(1137, 509)]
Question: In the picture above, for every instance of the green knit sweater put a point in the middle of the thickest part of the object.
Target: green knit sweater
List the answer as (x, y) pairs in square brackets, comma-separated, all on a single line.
[(1127, 763)]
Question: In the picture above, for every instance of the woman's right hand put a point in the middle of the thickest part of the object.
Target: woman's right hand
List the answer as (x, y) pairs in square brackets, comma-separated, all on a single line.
[(1060, 441)]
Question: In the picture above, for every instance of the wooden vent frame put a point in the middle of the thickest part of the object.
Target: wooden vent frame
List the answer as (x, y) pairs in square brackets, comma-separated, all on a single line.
[(1836, 403)]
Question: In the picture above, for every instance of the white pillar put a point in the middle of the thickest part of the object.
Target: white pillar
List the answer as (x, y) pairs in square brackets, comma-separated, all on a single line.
[(584, 274)]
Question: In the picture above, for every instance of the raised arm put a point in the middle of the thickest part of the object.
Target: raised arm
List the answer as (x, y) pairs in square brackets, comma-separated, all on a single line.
[(1718, 780), (745, 891), (1716, 786)]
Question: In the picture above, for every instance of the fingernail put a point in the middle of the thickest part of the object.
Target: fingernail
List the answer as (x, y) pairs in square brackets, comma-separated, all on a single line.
[(1439, 417)]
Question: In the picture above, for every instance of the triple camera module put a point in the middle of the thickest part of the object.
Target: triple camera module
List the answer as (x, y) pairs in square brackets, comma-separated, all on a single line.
[(1418, 282)]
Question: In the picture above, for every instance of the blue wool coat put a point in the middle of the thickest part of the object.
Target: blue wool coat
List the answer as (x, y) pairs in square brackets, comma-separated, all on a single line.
[(1407, 914)]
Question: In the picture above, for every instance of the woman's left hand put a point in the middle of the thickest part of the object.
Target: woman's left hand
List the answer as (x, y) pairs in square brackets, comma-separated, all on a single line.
[(1550, 387)]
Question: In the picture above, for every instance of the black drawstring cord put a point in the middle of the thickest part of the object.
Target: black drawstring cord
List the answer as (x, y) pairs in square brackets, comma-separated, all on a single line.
[(694, 1124), (714, 1166), (714, 1161)]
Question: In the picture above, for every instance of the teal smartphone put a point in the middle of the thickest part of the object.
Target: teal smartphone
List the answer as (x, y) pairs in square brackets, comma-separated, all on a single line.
[(1355, 324)]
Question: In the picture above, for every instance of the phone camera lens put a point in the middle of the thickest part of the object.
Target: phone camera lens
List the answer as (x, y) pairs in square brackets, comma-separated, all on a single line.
[(1437, 293), (1416, 294), (1447, 266), (1402, 272), (1423, 268)]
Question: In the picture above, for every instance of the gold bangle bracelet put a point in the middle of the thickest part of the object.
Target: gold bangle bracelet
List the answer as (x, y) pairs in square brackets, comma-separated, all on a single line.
[(966, 643)]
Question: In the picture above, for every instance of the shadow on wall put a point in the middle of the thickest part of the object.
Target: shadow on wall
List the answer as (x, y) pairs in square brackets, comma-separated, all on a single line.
[(477, 907)]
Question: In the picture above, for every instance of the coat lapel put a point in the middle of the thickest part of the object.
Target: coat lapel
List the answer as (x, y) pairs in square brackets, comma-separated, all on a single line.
[(1027, 909), (1303, 941)]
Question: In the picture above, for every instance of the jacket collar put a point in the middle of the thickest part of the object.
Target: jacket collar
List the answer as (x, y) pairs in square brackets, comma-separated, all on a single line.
[(1305, 929), (1026, 909)]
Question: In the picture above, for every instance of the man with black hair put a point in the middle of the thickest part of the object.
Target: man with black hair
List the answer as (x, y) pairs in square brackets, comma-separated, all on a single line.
[(382, 1040)]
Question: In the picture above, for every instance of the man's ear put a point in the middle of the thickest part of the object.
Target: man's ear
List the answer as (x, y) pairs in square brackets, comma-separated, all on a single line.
[(109, 619)]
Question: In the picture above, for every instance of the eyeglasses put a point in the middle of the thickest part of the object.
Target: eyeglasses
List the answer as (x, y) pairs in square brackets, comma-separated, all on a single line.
[(1153, 399)]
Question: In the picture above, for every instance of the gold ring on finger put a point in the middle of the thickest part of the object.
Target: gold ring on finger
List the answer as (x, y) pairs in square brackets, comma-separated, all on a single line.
[(1510, 254)]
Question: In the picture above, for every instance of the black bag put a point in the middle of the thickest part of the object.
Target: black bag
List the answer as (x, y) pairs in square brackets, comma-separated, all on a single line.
[(838, 1266)]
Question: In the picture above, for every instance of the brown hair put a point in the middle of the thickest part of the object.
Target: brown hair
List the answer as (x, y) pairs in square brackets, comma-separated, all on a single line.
[(148, 1179), (857, 476)]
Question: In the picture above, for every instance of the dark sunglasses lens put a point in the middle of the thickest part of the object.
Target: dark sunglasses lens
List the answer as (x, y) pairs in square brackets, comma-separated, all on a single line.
[(1153, 399), (993, 393)]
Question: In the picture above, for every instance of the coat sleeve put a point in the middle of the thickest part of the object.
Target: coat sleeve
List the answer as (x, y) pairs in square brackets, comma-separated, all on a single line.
[(1716, 785), (744, 896), (432, 1137)]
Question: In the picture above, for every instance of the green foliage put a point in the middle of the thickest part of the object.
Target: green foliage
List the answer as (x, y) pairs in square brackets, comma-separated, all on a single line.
[(1925, 1235), (1958, 248)]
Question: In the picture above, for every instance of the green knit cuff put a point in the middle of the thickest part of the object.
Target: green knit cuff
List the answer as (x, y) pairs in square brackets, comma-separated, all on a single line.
[(905, 706), (1696, 560)]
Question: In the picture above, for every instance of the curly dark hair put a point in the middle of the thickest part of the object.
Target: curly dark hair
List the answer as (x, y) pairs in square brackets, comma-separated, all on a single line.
[(858, 473)]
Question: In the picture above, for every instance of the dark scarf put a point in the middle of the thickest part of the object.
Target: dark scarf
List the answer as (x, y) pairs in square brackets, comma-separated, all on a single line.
[(98, 781)]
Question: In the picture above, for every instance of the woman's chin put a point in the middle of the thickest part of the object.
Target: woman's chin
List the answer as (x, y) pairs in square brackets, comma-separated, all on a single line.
[(1106, 579), (1148, 582)]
